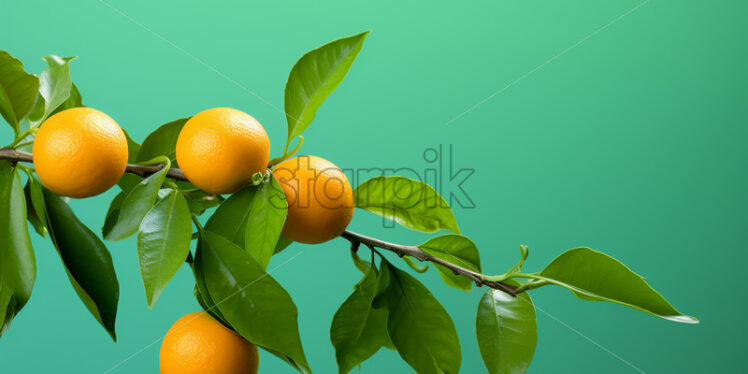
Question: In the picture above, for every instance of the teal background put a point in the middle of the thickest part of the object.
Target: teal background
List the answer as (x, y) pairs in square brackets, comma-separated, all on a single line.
[(633, 142)]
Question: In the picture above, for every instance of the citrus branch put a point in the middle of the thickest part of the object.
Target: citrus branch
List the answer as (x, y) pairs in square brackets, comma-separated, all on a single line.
[(415, 252), (355, 238), (137, 169)]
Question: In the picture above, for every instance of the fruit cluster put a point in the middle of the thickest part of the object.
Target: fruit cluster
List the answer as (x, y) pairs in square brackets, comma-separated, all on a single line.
[(82, 152)]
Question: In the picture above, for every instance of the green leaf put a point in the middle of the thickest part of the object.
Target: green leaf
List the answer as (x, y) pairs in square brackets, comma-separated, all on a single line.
[(411, 203), (17, 90), (112, 215), (595, 276), (459, 250), (75, 100), (358, 330), (35, 209), (162, 142), (135, 206), (267, 213), (283, 243), (163, 242), (132, 148), (199, 201), (17, 262), (524, 252), (362, 265), (230, 219), (250, 299), (201, 290), (507, 331), (86, 260), (128, 181), (314, 77), (55, 87), (418, 325)]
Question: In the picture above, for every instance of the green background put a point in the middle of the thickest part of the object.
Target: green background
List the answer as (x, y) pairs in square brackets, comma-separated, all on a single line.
[(633, 142)]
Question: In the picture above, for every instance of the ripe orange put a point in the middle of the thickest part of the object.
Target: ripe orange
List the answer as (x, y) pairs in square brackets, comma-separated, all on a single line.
[(319, 196), (198, 344), (80, 152), (219, 149)]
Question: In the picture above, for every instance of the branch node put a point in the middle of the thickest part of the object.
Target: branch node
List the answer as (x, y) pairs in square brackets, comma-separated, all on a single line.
[(355, 245)]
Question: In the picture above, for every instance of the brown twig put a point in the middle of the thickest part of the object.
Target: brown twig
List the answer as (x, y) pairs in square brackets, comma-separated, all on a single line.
[(415, 252), (139, 170), (355, 238)]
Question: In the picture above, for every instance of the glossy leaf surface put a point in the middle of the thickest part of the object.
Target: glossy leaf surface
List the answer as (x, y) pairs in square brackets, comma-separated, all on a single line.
[(139, 200), (595, 276), (456, 249), (358, 329), (419, 326), (18, 90), (55, 87), (163, 242), (36, 211), (230, 219), (250, 299), (409, 202), (162, 142), (17, 262), (507, 331), (86, 260), (202, 295), (267, 213), (314, 77)]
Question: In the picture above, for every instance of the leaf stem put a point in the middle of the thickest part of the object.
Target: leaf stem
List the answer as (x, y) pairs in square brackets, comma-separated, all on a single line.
[(22, 136), (286, 153), (415, 267)]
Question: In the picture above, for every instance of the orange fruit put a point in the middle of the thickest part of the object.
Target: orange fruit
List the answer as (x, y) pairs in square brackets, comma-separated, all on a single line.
[(198, 344), (80, 152), (219, 149), (319, 196)]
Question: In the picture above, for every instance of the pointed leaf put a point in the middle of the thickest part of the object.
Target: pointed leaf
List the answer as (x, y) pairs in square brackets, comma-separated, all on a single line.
[(250, 299), (314, 77), (358, 330), (55, 87), (507, 331), (86, 260), (595, 276), (459, 250), (135, 206), (418, 325), (163, 242), (162, 142), (230, 219), (17, 262), (409, 202), (267, 213), (17, 90)]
